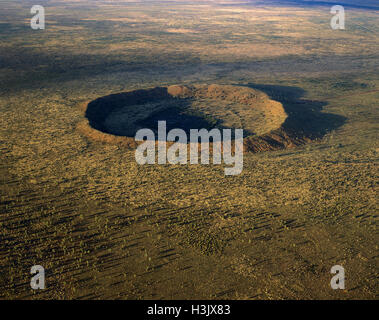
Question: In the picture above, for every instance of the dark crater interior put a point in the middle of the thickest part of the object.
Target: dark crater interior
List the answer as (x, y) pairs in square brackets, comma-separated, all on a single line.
[(272, 117)]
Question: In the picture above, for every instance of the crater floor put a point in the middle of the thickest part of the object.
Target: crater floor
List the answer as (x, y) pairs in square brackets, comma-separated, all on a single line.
[(116, 118)]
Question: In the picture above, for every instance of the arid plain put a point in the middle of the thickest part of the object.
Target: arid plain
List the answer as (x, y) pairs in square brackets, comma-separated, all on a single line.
[(104, 227)]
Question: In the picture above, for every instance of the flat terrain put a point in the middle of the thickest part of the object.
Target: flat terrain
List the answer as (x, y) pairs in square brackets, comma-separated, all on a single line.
[(105, 227)]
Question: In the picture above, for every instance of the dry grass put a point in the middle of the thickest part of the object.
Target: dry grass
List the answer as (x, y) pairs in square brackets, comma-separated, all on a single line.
[(105, 227)]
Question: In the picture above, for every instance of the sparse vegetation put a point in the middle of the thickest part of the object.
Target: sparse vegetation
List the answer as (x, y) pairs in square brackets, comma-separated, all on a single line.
[(105, 227)]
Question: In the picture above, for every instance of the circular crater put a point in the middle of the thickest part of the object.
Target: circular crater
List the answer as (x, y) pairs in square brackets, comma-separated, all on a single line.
[(116, 118)]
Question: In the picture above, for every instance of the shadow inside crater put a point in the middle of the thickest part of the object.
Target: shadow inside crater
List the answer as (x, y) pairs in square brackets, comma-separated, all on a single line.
[(98, 110), (176, 111), (305, 117), (179, 117)]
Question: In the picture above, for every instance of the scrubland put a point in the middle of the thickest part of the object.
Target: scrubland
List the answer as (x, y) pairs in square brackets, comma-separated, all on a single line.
[(104, 227)]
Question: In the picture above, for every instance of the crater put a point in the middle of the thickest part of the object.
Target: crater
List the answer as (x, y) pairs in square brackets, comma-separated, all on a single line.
[(268, 124)]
